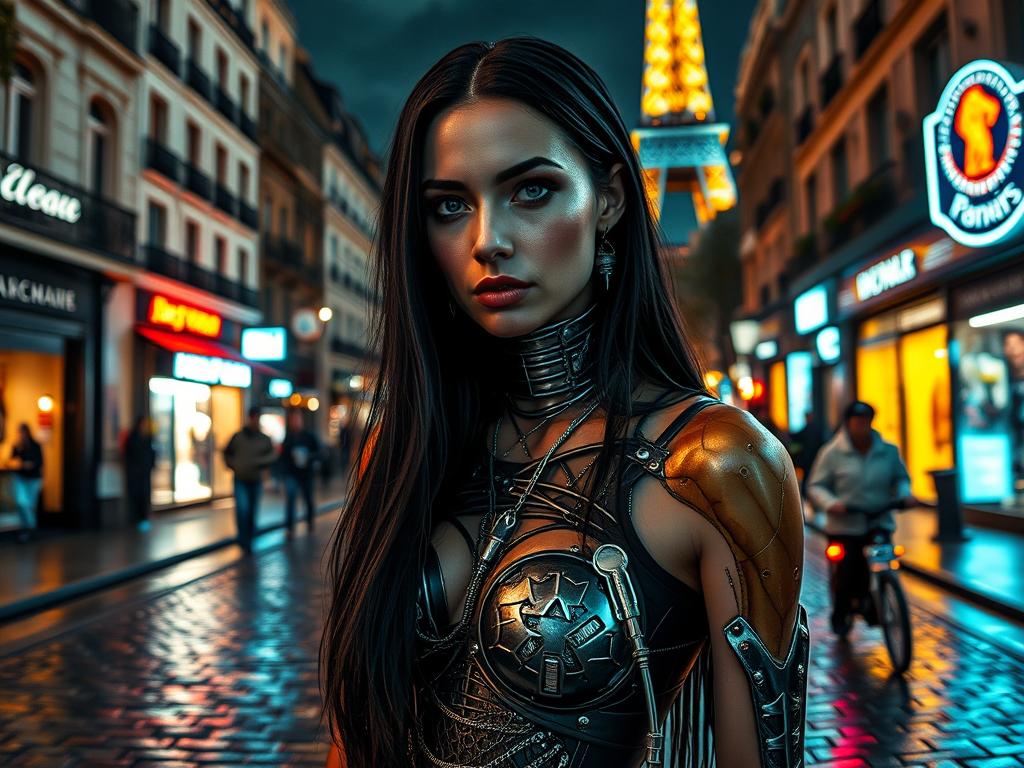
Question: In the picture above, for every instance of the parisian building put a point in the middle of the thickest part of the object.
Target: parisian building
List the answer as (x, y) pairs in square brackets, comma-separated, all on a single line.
[(865, 272), (198, 233), (69, 190)]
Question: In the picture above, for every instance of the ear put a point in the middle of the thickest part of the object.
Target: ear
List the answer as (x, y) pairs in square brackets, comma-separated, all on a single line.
[(611, 199)]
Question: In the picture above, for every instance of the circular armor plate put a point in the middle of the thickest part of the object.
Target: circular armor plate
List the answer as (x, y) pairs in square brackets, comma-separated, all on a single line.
[(548, 633)]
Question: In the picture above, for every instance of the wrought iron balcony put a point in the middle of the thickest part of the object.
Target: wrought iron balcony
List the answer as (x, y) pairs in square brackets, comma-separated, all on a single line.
[(235, 20), (163, 262), (247, 215), (119, 18), (196, 181), (224, 104), (164, 49), (247, 124), (162, 159), (224, 200), (66, 212), (831, 80), (197, 79), (872, 199)]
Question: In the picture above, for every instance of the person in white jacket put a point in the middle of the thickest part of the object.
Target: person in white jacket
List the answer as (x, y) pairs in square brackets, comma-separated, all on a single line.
[(856, 470)]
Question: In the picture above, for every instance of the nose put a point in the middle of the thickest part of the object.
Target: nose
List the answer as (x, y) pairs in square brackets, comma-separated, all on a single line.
[(491, 240)]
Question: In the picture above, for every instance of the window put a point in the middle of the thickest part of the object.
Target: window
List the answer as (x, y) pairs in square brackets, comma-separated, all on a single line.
[(156, 220), (811, 202), (879, 150), (282, 57), (24, 116), (840, 173), (1013, 25), (283, 222), (932, 65), (195, 41), (157, 119), (264, 35), (193, 140), (192, 241), (333, 247), (160, 12), (101, 159), (243, 93), (243, 266), (220, 249), (243, 181), (221, 156), (222, 69), (268, 212), (831, 33)]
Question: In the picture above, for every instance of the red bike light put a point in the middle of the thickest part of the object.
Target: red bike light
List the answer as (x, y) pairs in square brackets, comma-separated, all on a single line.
[(835, 552)]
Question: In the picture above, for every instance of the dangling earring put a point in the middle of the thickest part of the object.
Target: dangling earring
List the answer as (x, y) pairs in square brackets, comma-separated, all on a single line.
[(605, 259)]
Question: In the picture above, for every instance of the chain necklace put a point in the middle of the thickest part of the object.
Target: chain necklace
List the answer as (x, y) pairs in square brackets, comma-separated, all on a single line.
[(523, 437)]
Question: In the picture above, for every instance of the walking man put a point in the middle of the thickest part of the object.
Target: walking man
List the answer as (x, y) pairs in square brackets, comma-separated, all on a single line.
[(248, 453), (27, 462), (300, 453)]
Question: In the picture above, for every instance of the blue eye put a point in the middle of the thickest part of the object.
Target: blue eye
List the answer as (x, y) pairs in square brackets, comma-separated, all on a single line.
[(534, 191), (448, 207)]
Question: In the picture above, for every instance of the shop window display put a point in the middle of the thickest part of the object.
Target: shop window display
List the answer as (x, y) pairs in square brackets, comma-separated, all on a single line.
[(990, 417)]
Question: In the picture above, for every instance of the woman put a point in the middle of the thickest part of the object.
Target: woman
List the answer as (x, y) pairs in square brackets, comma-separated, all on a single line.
[(554, 527), (27, 462)]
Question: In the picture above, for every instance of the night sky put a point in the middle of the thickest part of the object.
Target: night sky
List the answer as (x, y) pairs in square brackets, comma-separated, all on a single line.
[(375, 50)]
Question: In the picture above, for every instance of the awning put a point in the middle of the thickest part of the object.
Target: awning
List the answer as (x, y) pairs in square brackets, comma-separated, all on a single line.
[(177, 342)]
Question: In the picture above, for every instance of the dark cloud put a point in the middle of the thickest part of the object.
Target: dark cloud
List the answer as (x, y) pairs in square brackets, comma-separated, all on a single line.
[(376, 50)]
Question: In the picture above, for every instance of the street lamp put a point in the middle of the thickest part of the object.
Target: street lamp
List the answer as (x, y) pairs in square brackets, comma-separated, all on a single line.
[(325, 314)]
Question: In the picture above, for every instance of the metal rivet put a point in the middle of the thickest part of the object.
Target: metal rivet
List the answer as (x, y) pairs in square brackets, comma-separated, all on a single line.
[(566, 332), (653, 464), (766, 573), (737, 629), (643, 454), (745, 645), (744, 471), (800, 669), (574, 548), (583, 722), (750, 447), (759, 677), (474, 648), (796, 573)]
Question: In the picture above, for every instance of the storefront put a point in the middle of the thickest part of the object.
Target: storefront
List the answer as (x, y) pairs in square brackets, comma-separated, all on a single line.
[(988, 334), (195, 382), (49, 364)]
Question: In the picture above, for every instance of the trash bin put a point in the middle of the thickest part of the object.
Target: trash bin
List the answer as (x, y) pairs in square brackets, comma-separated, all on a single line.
[(951, 516)]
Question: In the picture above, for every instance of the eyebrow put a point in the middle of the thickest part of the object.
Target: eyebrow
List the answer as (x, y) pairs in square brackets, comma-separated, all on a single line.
[(499, 178)]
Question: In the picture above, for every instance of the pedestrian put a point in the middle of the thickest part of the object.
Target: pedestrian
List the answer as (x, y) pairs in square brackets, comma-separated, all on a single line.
[(857, 470), (27, 463), (300, 454), (248, 453), (493, 574), (139, 461)]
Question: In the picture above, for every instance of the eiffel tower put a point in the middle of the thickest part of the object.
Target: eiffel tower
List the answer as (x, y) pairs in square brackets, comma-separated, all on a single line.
[(681, 147)]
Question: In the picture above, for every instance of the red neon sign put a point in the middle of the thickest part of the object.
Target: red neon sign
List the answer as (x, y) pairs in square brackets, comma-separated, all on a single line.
[(182, 317)]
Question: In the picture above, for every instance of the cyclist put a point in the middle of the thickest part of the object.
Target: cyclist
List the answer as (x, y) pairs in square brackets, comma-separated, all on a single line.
[(855, 470)]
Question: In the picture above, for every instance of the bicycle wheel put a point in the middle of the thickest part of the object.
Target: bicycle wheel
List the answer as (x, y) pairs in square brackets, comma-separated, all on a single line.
[(895, 620)]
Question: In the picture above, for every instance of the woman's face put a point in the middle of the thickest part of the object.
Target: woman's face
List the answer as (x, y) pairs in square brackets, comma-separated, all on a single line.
[(506, 195)]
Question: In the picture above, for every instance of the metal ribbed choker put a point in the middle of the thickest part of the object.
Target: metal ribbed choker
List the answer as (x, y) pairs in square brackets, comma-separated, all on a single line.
[(552, 367)]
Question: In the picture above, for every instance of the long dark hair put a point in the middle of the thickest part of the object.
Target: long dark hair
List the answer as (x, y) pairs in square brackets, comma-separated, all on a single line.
[(432, 399)]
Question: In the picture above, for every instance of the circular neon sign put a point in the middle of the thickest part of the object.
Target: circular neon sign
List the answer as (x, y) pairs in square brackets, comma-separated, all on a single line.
[(972, 142)]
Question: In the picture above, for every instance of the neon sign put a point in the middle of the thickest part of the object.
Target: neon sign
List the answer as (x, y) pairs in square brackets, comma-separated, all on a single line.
[(17, 187), (211, 370), (885, 275), (810, 310), (971, 145), (182, 317)]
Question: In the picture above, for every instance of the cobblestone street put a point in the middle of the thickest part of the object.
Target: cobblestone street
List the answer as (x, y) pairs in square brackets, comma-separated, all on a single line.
[(222, 672)]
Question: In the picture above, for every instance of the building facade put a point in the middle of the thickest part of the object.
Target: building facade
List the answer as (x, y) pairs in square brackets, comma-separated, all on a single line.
[(198, 236), (68, 198), (858, 292)]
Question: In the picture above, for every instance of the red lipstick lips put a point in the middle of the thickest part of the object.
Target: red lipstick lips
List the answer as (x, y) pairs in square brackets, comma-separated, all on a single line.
[(500, 291)]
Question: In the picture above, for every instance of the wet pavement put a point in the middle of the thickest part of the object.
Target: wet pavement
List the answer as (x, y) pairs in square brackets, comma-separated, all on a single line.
[(222, 671)]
